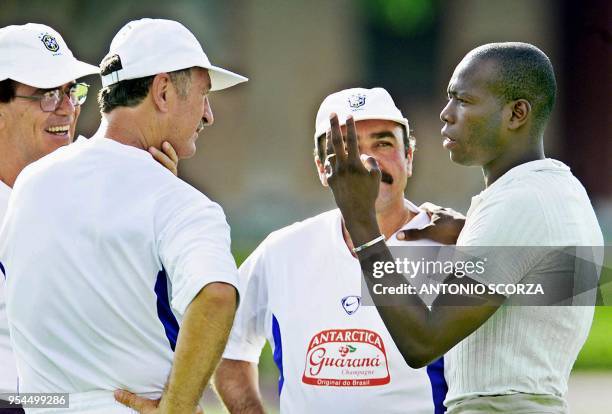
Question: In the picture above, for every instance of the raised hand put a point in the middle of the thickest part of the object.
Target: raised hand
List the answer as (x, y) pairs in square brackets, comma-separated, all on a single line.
[(354, 186)]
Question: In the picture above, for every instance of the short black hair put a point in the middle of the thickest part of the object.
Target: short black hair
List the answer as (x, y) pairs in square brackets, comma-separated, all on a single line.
[(132, 92), (525, 72), (408, 138), (7, 90)]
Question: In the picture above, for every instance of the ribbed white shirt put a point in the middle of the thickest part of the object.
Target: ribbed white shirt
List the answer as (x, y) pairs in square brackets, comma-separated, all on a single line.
[(525, 349)]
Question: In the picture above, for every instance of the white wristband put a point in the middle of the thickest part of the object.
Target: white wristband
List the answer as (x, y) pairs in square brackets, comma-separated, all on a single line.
[(368, 244)]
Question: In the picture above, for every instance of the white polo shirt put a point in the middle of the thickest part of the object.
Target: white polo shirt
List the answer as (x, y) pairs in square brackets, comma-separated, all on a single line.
[(104, 250), (303, 294), (8, 370), (524, 349)]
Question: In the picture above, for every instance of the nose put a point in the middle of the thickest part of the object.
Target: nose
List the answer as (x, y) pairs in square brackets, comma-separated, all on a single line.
[(65, 107), (207, 115), (445, 115)]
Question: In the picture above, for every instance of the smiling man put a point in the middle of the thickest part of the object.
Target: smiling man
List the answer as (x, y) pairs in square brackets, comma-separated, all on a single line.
[(303, 294), (138, 262), (40, 103), (503, 359)]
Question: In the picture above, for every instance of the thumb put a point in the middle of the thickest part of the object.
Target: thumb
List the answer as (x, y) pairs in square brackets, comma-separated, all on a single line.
[(415, 234), (371, 165), (134, 401)]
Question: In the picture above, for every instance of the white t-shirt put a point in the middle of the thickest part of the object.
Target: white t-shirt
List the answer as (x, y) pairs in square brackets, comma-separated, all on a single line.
[(525, 349), (302, 292), (104, 250), (8, 370)]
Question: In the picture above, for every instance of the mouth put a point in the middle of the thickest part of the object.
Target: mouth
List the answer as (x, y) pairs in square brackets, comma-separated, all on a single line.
[(386, 178), (448, 141), (59, 130)]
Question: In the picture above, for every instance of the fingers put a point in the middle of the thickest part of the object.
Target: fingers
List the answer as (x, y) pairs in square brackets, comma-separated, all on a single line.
[(336, 138), (168, 158), (330, 160), (142, 405), (351, 139), (170, 152)]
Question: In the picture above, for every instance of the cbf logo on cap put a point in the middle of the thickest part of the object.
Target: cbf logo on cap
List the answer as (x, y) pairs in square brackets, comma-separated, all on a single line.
[(357, 101), (49, 41), (36, 55)]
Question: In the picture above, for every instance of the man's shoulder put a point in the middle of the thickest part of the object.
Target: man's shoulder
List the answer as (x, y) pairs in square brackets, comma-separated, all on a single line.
[(304, 231)]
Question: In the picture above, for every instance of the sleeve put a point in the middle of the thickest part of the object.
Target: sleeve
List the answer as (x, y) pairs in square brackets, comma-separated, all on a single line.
[(248, 334), (508, 231), (195, 250)]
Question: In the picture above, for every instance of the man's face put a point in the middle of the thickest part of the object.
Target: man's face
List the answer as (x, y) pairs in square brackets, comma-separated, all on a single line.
[(36, 133), (384, 140), (473, 115), (192, 113)]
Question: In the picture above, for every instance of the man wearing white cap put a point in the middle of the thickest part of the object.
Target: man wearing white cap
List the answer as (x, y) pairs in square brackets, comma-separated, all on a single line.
[(303, 294), (39, 106), (133, 266)]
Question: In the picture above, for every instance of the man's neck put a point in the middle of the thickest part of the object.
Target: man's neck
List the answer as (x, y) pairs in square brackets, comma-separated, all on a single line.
[(122, 125), (392, 219), (498, 167)]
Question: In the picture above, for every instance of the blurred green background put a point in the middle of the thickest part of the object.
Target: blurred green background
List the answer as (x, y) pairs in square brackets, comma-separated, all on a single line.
[(257, 158)]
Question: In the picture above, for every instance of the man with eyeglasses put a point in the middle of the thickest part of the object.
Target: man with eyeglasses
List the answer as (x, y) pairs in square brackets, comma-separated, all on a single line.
[(39, 106)]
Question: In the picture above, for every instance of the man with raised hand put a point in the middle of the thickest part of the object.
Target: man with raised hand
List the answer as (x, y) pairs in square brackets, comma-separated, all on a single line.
[(510, 359), (40, 102), (303, 294), (125, 252)]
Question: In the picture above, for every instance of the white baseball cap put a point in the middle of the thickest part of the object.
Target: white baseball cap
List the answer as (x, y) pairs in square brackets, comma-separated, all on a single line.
[(147, 47), (36, 55), (362, 104)]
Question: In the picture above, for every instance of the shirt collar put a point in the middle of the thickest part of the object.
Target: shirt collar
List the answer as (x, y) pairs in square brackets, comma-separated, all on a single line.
[(547, 164)]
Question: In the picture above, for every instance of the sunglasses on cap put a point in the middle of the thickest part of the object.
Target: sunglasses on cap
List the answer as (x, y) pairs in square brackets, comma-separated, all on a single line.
[(52, 99)]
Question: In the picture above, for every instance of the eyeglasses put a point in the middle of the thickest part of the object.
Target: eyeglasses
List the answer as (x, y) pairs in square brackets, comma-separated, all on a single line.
[(51, 100)]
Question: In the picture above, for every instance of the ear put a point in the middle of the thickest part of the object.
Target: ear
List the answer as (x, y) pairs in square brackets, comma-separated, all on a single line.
[(321, 171), (520, 112), (409, 154), (3, 120), (160, 90)]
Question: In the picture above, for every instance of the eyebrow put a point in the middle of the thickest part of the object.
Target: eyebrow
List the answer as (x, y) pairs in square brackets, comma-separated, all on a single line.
[(383, 135), (70, 85)]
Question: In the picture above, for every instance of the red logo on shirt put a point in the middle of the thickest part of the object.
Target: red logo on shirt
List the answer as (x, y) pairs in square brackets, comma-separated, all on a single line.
[(346, 358)]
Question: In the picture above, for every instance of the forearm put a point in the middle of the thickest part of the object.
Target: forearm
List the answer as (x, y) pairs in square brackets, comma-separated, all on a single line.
[(401, 313), (421, 335), (237, 384), (201, 341)]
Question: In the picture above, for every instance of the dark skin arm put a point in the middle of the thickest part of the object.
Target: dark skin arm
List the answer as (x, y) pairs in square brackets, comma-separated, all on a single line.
[(421, 335)]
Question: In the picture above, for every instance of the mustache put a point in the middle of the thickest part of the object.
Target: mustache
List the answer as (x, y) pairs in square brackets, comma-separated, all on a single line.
[(385, 177)]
